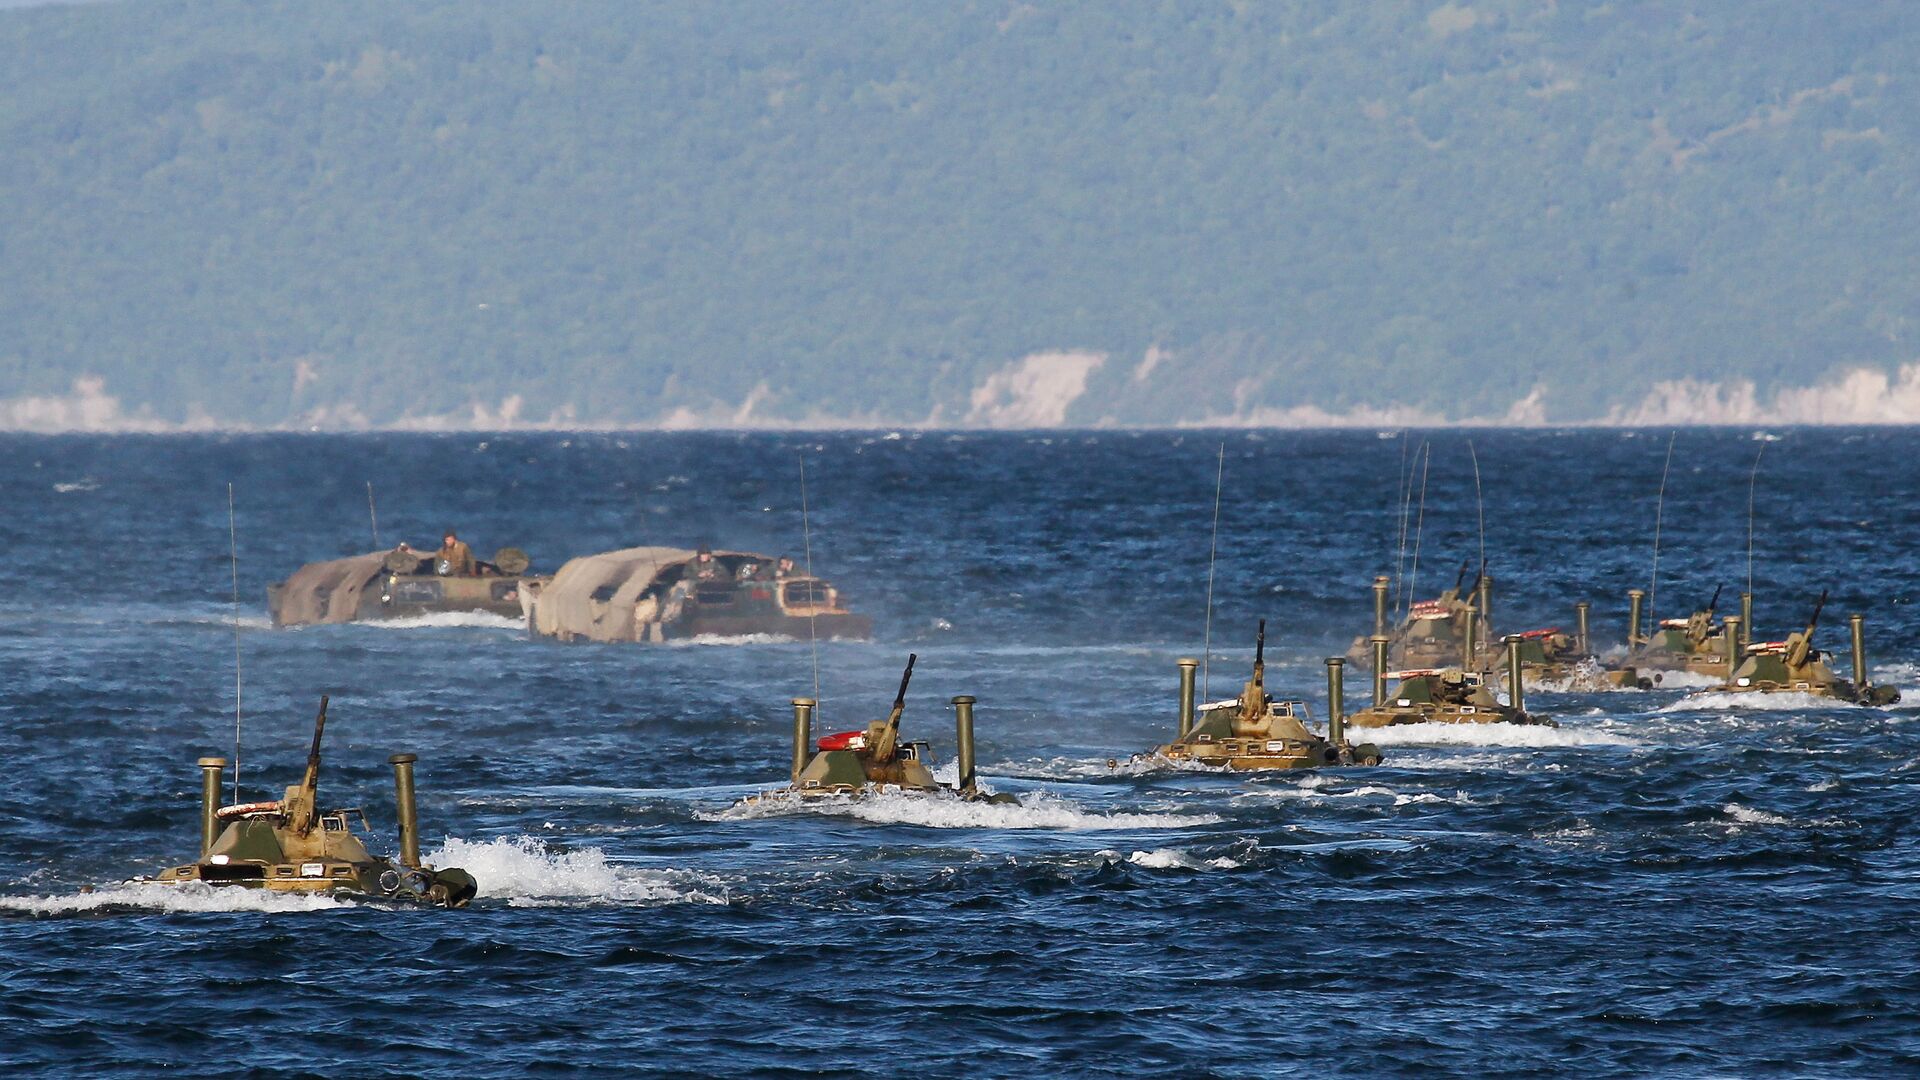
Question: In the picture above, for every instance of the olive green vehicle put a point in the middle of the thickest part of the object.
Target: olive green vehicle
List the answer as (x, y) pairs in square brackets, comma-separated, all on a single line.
[(1450, 630), (292, 845), (875, 760), (1794, 665), (1256, 733), (1694, 644), (1447, 696), (1551, 658), (401, 583)]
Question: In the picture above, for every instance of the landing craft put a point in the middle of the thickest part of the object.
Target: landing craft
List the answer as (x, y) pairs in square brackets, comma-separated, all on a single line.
[(874, 760), (401, 583), (1255, 732), (653, 594), (1445, 695), (291, 845), (1795, 665)]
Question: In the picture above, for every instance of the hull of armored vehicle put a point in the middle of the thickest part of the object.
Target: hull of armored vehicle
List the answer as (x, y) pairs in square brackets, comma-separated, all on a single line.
[(365, 588), (653, 594)]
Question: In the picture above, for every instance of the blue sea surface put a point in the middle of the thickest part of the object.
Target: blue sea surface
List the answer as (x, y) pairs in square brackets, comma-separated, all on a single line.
[(1669, 883)]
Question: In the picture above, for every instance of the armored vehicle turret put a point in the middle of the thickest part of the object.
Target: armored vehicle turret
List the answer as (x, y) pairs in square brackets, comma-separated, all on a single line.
[(1795, 665), (397, 584), (1256, 732), (875, 759), (292, 845), (1447, 696)]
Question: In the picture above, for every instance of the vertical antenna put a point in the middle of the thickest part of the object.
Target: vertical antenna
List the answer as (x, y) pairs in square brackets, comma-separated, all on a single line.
[(1659, 510), (1406, 526), (1401, 480), (1480, 502), (1752, 482), (806, 533), (1419, 525), (1206, 647), (233, 562), (371, 516)]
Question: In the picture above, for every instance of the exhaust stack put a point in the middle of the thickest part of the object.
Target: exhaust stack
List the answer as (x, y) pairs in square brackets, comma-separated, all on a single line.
[(404, 807), (802, 735), (1336, 700), (1514, 678), (1746, 622), (1857, 623), (1187, 666), (1379, 671), (1583, 645), (211, 769), (1470, 652), (1635, 598), (1736, 627), (1379, 604), (963, 721)]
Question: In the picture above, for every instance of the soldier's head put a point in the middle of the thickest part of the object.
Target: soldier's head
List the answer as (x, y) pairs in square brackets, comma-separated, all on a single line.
[(786, 564), (450, 538), (705, 554)]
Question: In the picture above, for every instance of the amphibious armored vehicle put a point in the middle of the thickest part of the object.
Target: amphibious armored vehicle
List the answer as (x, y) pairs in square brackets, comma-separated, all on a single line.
[(875, 760), (401, 583), (1447, 696), (1255, 732), (1554, 659), (1795, 665), (651, 594), (1450, 630), (292, 845), (1694, 644)]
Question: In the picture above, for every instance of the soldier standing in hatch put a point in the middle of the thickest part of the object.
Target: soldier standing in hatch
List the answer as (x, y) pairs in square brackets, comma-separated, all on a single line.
[(784, 569), (709, 570), (455, 558)]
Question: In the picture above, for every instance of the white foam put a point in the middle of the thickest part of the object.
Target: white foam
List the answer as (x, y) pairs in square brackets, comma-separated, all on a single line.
[(471, 620), (1756, 701), (523, 871), (1747, 815), (732, 639), (87, 484), (1538, 735), (1174, 859), (1037, 810), (188, 897)]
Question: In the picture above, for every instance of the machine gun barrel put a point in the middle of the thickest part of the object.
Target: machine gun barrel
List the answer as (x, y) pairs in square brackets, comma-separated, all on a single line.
[(1461, 576), (1714, 601), (1260, 646), (900, 699), (1814, 619), (310, 783)]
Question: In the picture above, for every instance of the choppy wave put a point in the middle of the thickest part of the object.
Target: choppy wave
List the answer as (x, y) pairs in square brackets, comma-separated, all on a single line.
[(1535, 735), (1036, 810), (525, 872), (1747, 815), (190, 897), (1175, 859)]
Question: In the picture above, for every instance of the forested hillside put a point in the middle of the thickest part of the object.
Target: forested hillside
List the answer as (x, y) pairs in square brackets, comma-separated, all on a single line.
[(641, 212)]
